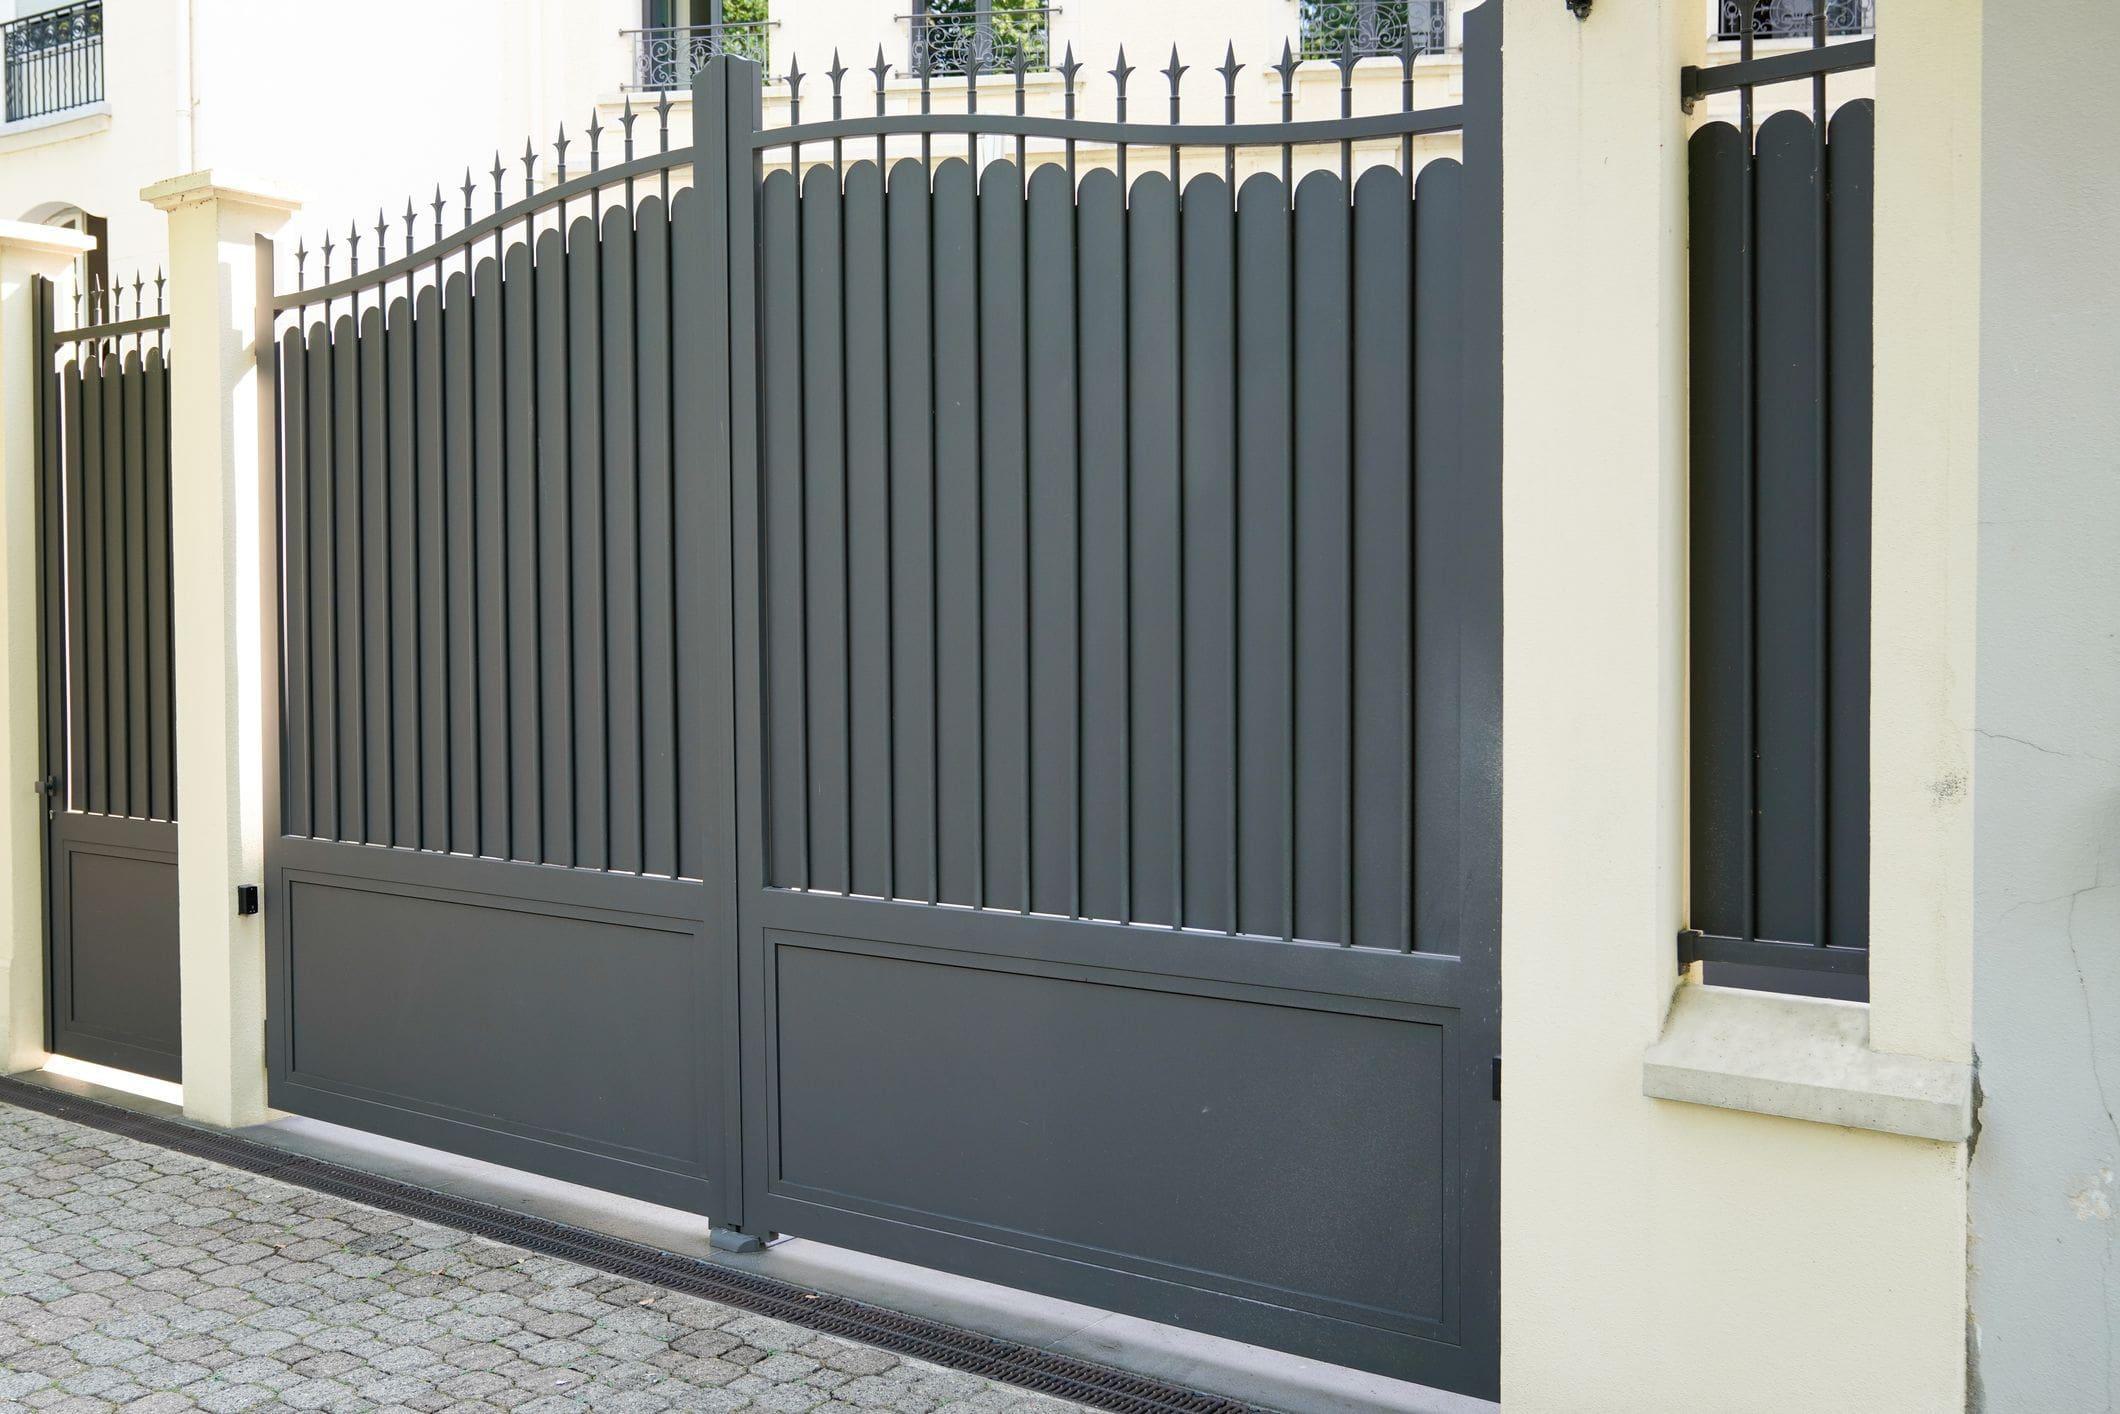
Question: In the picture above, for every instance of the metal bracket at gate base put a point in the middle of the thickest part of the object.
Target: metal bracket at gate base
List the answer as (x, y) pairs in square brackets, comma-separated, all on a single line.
[(246, 900)]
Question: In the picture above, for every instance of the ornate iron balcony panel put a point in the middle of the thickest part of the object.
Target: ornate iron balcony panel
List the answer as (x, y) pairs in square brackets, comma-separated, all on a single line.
[(956, 42), (668, 56), (1372, 27), (53, 60), (1794, 19)]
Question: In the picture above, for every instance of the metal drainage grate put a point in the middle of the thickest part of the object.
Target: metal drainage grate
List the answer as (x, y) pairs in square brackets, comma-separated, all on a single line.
[(1010, 1362)]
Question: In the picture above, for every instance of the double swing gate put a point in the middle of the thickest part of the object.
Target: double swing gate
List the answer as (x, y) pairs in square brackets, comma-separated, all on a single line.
[(947, 709), (108, 707)]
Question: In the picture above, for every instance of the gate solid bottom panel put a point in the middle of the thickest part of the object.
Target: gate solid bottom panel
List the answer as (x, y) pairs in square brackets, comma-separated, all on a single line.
[(1262, 1140), (114, 998), (553, 1020)]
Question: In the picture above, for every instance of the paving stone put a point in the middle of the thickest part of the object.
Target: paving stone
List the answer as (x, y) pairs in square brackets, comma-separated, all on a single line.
[(134, 1277)]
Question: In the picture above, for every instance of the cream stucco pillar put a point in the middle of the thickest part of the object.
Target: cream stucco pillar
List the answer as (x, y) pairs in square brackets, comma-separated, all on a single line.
[(26, 251), (216, 525), (1925, 529)]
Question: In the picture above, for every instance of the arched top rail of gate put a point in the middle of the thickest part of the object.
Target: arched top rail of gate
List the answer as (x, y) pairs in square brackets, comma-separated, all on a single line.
[(356, 265)]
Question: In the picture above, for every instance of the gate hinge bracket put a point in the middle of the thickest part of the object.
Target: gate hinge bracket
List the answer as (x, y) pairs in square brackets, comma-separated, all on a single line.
[(1497, 1077), (246, 900), (1688, 947)]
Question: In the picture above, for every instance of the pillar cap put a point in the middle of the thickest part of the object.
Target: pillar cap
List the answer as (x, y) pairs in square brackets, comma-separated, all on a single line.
[(198, 188), (30, 238)]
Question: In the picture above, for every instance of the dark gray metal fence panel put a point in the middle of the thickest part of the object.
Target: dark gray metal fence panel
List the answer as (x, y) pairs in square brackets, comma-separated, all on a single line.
[(1004, 543), (1780, 595), (1208, 556), (787, 804), (868, 531), (555, 552), (621, 527), (657, 531), (915, 805), (399, 558), (489, 536), (822, 526), (430, 557), (100, 405), (297, 759), (1266, 589), (374, 540), (1055, 846), (960, 764), (1105, 692), (322, 606), (519, 567)]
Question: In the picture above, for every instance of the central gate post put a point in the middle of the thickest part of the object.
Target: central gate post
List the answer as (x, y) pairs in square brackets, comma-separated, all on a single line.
[(219, 459), (26, 253)]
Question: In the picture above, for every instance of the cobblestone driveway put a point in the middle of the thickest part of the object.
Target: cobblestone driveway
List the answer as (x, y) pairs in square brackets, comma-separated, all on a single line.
[(134, 1277)]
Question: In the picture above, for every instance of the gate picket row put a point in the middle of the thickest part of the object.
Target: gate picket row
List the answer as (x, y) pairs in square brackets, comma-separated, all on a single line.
[(950, 709)]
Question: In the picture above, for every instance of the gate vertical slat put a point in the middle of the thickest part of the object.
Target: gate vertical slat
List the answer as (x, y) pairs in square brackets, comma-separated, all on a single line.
[(430, 558), (1720, 678), (403, 582), (52, 438), (1382, 544), (621, 530), (868, 444), (95, 637), (1851, 158), (457, 565), (117, 657), (322, 501), (1106, 847), (350, 694), (555, 579), (823, 529), (1004, 544), (1445, 567), (585, 355), (908, 213), (1324, 615), (520, 570), (1791, 620), (296, 761), (161, 782), (960, 767), (780, 460), (1156, 560), (699, 499), (489, 536), (376, 705), (1211, 767), (74, 420), (1266, 590), (1055, 548), (658, 618), (138, 629)]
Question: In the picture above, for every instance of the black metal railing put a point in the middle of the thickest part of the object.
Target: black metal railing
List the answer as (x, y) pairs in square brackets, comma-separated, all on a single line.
[(1329, 28), (667, 56), (950, 40), (1794, 19), (53, 60)]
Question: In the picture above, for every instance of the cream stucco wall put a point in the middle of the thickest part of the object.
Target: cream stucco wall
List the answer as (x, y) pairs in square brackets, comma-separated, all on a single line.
[(1657, 1255)]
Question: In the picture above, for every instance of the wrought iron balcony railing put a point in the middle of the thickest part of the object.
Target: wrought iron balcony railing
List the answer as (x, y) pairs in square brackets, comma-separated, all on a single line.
[(667, 56), (1329, 28), (53, 60), (1794, 19), (954, 41)]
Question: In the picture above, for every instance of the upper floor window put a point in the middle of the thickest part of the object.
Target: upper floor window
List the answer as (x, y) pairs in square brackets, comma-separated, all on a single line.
[(677, 37), (1793, 19), (53, 60), (980, 36), (1372, 27)]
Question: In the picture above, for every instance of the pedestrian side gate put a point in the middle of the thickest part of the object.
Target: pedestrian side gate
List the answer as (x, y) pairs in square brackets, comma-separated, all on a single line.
[(109, 762), (945, 705)]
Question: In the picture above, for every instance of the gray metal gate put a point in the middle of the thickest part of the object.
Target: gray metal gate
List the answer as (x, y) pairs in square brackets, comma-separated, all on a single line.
[(110, 767), (1005, 658)]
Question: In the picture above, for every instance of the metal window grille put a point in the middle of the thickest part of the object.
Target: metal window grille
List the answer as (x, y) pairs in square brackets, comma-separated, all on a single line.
[(1373, 27), (1793, 19), (950, 38), (667, 56), (53, 60)]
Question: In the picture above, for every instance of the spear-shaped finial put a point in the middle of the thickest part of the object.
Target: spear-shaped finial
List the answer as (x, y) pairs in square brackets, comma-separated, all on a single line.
[(626, 121), (1229, 70), (410, 238), (1174, 71), (500, 171), (139, 295), (468, 188), (596, 133), (1120, 71), (794, 77), (117, 300), (1287, 70), (561, 148), (382, 238), (836, 73), (437, 211), (882, 70), (159, 280), (1068, 69), (327, 259), (1346, 60), (529, 167), (353, 248), (662, 120)]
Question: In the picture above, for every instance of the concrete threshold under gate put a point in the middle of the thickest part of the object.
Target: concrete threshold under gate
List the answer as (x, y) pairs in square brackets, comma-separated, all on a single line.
[(1210, 1364)]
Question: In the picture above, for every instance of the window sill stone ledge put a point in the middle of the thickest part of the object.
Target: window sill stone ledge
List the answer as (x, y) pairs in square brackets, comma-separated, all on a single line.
[(1801, 1058)]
